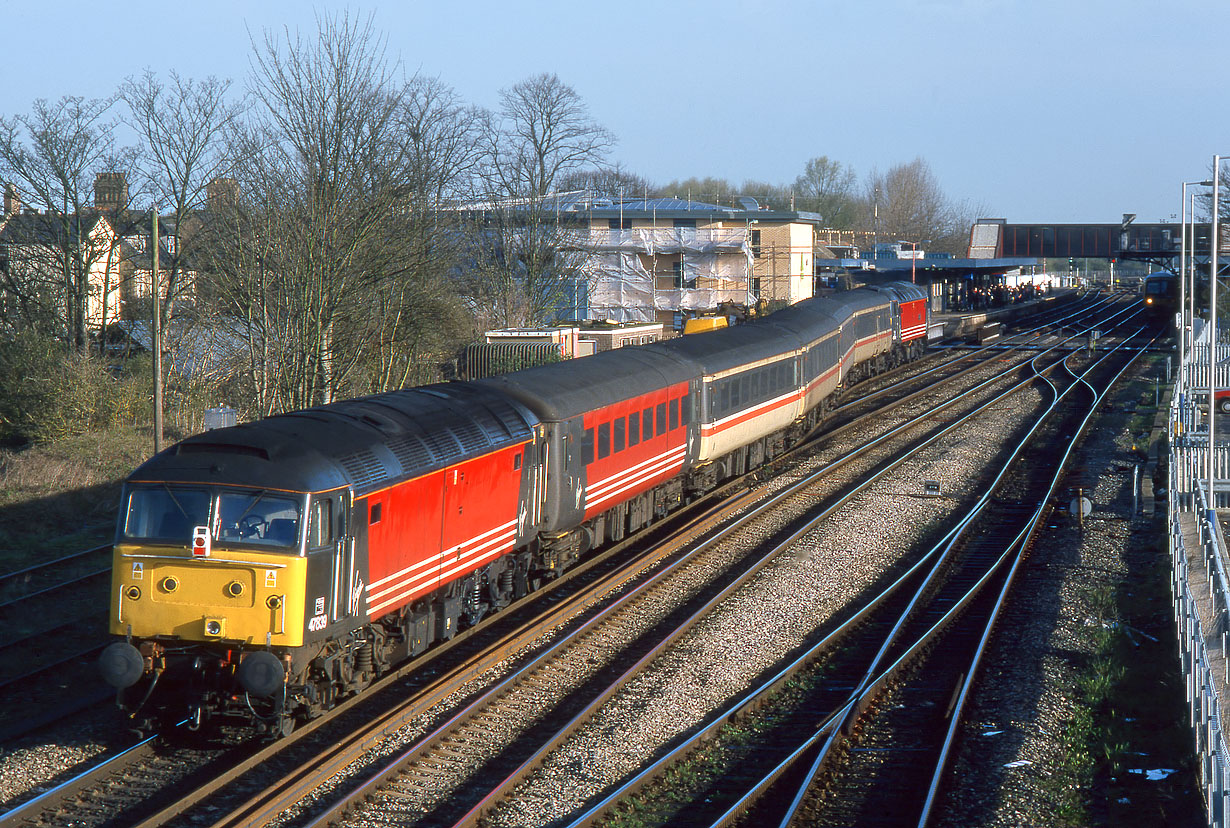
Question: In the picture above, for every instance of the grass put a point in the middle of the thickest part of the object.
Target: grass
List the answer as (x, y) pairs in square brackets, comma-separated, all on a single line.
[(1128, 712), (62, 497)]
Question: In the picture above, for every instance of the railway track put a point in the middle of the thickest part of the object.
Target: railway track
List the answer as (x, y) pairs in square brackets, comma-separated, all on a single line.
[(54, 633), (423, 764), (900, 717), (175, 807)]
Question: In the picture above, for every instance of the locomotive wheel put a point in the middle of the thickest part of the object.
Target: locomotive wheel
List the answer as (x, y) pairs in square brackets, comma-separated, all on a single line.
[(286, 726)]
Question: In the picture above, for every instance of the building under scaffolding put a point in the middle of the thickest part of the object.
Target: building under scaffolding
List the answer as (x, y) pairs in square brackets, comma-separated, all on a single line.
[(651, 260), (635, 274)]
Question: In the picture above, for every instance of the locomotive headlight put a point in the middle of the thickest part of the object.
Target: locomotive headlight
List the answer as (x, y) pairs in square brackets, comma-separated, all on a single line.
[(133, 592), (214, 627), (274, 601), (234, 589), (170, 584)]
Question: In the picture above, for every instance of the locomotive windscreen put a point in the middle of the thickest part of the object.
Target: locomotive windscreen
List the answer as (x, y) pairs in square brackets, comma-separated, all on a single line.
[(169, 513)]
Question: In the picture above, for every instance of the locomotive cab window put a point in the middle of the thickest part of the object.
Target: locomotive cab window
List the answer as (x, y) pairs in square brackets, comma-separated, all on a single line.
[(320, 523), (242, 517), (258, 518), (166, 513)]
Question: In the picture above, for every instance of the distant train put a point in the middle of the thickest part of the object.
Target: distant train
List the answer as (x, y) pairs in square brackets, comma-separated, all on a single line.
[(264, 571), (1161, 294)]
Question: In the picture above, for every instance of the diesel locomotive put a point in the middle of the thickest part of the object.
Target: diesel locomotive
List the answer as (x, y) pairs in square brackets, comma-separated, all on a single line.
[(264, 571)]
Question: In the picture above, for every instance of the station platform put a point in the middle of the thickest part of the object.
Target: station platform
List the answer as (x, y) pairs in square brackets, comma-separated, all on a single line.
[(960, 324)]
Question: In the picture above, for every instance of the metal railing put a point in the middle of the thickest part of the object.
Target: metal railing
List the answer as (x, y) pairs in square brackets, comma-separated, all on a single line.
[(1202, 638)]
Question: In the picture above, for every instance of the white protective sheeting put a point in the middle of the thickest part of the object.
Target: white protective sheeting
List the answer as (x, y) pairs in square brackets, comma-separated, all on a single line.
[(984, 241), (622, 289)]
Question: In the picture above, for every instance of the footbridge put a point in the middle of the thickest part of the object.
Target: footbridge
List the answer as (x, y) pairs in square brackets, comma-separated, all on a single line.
[(1159, 244)]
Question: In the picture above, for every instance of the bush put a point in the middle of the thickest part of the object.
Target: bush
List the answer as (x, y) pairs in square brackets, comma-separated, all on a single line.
[(47, 395)]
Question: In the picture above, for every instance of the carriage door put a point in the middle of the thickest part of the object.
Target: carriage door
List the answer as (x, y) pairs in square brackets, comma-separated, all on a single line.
[(538, 457), (330, 558), (346, 586), (894, 307)]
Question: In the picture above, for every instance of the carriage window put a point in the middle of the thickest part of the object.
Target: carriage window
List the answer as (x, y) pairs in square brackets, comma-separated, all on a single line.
[(620, 425), (661, 417), (647, 424), (674, 414), (685, 409), (604, 440), (587, 447), (634, 428)]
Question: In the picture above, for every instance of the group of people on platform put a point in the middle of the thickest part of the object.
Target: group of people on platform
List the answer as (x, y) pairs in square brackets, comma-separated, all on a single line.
[(996, 296)]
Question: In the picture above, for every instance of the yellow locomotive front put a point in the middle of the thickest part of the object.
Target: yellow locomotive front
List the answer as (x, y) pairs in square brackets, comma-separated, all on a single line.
[(208, 593)]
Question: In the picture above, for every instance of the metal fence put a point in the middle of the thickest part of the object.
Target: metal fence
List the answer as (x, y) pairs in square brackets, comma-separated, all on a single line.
[(1196, 371), (1202, 612)]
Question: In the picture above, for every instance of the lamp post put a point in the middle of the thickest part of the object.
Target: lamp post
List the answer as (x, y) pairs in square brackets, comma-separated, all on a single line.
[(1213, 245), (1191, 277), (1184, 320), (914, 257)]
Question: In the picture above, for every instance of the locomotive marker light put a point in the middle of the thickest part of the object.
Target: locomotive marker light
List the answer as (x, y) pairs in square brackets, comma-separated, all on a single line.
[(200, 542)]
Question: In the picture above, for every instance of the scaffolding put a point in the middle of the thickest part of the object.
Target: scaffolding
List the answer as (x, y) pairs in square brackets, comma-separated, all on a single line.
[(633, 274)]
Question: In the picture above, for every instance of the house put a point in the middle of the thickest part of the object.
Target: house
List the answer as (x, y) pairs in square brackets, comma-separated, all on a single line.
[(40, 253), (109, 246)]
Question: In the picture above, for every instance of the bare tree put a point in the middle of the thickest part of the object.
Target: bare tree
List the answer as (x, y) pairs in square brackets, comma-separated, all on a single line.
[(708, 189), (327, 257), (906, 203), (544, 131), (182, 127), (527, 260), (52, 157), (606, 182), (418, 319), (827, 187)]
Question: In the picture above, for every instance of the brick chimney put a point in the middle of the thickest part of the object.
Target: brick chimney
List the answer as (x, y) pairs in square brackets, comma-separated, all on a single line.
[(12, 204), (110, 192), (221, 193)]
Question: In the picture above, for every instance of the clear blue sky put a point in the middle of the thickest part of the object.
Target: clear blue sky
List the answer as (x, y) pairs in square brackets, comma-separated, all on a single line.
[(1040, 110)]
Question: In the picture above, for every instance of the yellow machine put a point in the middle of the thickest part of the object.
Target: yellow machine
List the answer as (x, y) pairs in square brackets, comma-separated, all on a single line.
[(704, 323)]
